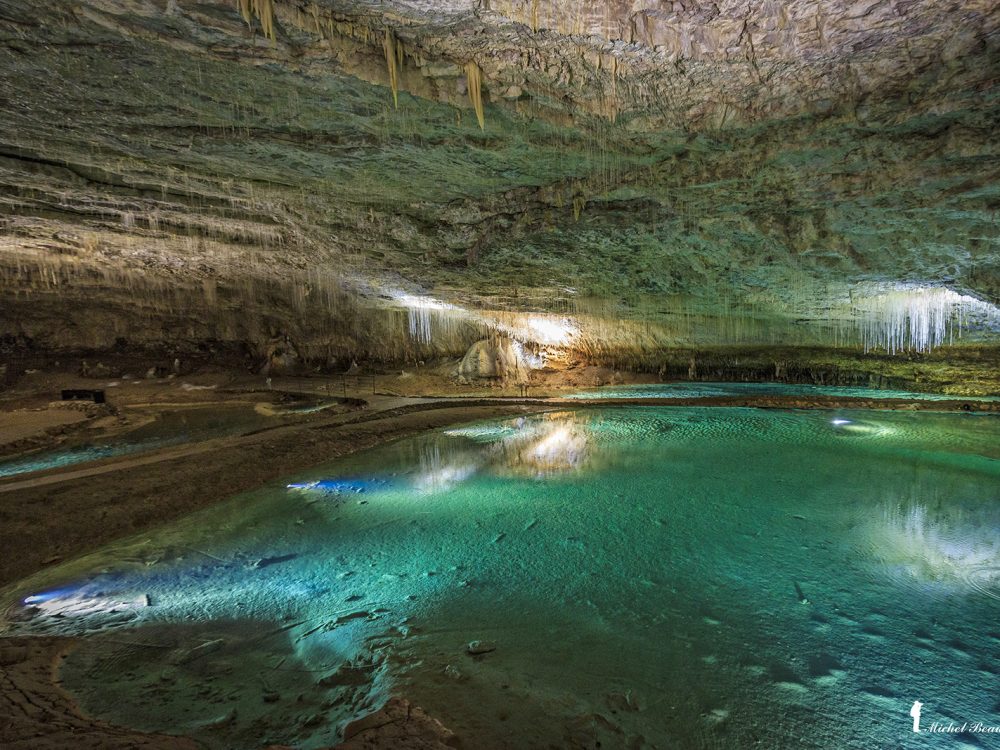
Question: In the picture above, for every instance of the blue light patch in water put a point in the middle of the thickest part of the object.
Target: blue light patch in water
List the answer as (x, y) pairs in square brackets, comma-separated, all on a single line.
[(47, 596), (341, 486)]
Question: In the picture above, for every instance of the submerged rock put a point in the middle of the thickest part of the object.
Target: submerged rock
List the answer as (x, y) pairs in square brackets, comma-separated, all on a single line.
[(398, 725), (475, 648)]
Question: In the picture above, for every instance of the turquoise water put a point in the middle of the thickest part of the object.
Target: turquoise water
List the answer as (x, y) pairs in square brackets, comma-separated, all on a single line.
[(707, 390), (170, 428), (647, 577), (77, 455)]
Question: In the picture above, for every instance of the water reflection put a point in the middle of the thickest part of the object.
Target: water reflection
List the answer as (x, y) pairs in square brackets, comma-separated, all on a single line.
[(539, 447), (944, 541), (561, 445), (442, 472)]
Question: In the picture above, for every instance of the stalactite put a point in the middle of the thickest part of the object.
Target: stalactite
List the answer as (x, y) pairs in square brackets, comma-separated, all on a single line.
[(579, 201), (393, 58), (420, 324), (263, 10), (917, 319), (474, 83), (615, 106), (317, 25)]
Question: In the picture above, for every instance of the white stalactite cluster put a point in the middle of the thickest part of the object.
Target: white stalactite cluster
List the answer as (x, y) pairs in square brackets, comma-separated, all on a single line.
[(918, 318), (420, 324)]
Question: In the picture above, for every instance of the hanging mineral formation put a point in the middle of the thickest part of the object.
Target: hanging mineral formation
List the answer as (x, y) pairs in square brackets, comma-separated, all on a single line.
[(474, 84), (918, 319), (393, 50), (263, 10)]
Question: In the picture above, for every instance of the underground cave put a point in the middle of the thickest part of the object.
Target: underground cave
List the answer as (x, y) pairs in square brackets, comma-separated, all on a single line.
[(499, 374)]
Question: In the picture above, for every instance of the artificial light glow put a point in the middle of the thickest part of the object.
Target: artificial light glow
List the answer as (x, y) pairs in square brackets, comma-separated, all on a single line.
[(536, 329), (420, 310), (548, 331), (47, 596), (78, 604), (444, 477), (340, 486), (848, 426), (414, 302)]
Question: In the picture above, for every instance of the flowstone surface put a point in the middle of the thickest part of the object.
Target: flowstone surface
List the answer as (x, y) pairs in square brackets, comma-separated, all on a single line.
[(635, 577)]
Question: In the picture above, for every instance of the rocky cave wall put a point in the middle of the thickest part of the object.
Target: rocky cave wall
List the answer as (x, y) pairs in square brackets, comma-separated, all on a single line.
[(676, 176)]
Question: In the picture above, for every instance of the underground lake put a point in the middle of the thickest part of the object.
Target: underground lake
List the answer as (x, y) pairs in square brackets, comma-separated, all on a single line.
[(499, 375), (640, 577)]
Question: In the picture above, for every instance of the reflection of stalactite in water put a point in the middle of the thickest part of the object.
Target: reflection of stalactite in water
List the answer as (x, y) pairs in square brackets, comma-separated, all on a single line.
[(440, 471), (944, 540), (555, 444)]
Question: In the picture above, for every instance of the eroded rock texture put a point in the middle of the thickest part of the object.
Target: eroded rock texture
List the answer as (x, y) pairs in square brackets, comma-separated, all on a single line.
[(178, 174)]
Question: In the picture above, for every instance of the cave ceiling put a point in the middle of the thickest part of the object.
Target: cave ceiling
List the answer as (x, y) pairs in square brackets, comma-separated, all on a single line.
[(627, 156)]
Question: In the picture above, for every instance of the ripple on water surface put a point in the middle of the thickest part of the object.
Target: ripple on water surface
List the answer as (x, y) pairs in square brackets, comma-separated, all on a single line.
[(689, 577)]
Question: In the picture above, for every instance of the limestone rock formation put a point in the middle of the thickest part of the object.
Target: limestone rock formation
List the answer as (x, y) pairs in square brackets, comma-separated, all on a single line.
[(499, 359), (282, 357), (178, 175)]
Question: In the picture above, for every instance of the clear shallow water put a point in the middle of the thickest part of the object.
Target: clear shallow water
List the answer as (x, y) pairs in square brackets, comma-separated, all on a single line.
[(171, 428), (650, 577), (707, 390)]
